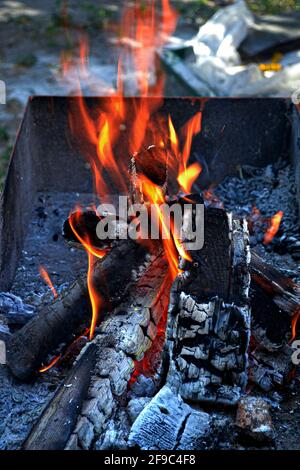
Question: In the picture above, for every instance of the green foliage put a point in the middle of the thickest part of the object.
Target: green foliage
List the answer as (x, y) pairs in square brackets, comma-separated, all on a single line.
[(28, 60), (274, 6), (4, 158), (4, 137)]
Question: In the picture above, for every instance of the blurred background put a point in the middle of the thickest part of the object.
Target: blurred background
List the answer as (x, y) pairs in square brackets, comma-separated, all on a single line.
[(219, 48)]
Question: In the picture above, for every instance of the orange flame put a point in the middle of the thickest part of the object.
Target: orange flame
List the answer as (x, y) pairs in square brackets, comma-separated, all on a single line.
[(47, 279), (273, 228), (153, 194), (93, 253), (295, 319), (188, 176), (143, 31), (51, 364)]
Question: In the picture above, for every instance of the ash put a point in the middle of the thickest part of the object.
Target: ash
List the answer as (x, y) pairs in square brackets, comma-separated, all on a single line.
[(258, 194), (44, 245)]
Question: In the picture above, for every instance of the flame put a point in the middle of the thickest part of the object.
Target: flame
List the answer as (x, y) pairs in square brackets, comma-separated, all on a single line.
[(273, 228), (153, 194), (133, 124), (51, 364), (295, 319), (188, 176), (48, 281), (93, 253)]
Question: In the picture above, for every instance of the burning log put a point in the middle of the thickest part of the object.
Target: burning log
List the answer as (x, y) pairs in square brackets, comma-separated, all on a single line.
[(52, 430), (70, 312), (121, 339), (209, 327)]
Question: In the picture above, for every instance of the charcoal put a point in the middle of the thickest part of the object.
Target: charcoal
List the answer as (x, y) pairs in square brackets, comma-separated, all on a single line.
[(14, 309), (270, 370), (4, 329), (254, 419)]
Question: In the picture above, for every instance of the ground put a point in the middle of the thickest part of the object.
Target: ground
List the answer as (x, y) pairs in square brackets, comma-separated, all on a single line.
[(35, 33)]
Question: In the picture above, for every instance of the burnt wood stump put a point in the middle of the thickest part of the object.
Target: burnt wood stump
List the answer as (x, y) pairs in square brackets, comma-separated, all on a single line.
[(209, 324)]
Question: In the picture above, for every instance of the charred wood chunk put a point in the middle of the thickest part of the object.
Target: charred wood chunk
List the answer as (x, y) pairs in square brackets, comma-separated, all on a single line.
[(55, 425), (208, 349), (269, 370), (271, 326), (221, 267), (59, 321), (282, 290), (167, 423), (275, 299)]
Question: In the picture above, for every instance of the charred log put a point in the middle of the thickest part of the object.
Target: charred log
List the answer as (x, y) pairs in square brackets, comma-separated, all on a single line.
[(209, 327), (284, 292), (121, 340), (53, 429), (70, 312), (275, 299)]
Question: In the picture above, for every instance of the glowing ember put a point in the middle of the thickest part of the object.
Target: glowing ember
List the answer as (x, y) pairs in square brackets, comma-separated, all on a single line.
[(47, 279), (273, 228)]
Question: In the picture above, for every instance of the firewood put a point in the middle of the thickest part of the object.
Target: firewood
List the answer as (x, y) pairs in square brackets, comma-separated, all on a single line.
[(53, 428), (209, 324), (275, 300), (91, 391), (122, 339), (284, 292), (71, 311)]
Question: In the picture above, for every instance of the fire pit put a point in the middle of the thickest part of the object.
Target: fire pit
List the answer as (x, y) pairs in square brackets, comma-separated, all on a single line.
[(203, 345)]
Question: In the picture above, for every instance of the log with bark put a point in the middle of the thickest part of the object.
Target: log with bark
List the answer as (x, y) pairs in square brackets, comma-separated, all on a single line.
[(70, 313)]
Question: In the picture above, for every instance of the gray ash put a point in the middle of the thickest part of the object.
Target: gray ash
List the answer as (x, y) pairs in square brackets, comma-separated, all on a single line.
[(258, 194)]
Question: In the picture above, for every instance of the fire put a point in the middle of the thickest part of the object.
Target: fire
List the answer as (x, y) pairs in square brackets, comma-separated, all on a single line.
[(188, 176), (51, 364), (273, 228), (294, 324), (93, 253), (47, 279), (153, 195), (133, 124)]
